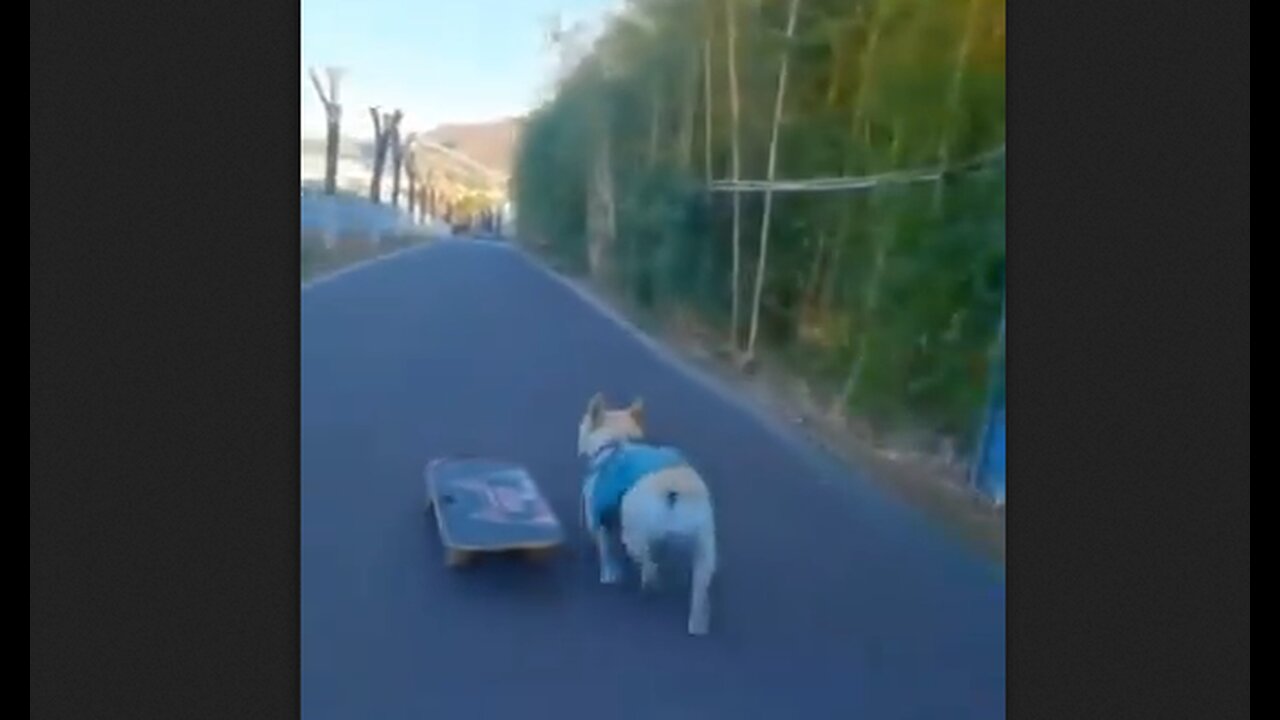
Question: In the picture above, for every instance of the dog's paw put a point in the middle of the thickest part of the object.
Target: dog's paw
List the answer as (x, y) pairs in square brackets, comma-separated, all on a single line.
[(649, 576), (699, 626), (609, 575), (699, 617)]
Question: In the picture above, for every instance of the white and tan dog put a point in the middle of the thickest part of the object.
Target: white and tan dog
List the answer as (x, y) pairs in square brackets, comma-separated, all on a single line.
[(644, 494)]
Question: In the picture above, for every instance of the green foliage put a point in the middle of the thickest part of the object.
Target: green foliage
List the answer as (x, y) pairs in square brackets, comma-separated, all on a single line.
[(874, 86)]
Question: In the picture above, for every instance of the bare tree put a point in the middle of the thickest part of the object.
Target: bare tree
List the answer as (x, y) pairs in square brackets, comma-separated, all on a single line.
[(333, 120), (385, 126), (375, 182), (397, 163)]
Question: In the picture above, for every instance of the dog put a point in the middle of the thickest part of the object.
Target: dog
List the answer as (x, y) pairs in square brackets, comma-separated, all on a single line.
[(644, 494)]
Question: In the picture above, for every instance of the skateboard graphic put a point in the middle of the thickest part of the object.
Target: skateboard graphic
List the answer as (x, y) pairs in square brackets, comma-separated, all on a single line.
[(489, 506)]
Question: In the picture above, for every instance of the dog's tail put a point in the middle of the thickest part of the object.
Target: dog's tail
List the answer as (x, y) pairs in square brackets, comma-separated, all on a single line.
[(679, 485)]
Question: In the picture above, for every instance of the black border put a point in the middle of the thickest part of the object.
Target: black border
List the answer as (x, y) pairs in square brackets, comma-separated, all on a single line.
[(164, 355), (164, 360), (1128, 360)]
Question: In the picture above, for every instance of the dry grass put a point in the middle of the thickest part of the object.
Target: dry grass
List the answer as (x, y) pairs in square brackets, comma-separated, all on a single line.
[(321, 255)]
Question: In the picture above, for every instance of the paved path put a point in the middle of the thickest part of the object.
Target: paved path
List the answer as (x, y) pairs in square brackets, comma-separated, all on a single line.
[(834, 601)]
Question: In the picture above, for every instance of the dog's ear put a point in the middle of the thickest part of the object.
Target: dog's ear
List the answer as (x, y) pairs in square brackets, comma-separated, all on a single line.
[(637, 412), (595, 409)]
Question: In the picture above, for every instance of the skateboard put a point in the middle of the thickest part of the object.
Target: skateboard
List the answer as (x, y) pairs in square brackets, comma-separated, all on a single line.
[(489, 506)]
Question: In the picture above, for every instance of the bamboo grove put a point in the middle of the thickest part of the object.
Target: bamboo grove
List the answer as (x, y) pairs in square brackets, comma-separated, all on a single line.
[(888, 297)]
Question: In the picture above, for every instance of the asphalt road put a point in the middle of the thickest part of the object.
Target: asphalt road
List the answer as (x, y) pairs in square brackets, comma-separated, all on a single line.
[(833, 600)]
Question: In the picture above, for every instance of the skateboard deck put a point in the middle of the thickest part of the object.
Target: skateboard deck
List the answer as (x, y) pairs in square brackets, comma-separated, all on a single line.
[(489, 506)]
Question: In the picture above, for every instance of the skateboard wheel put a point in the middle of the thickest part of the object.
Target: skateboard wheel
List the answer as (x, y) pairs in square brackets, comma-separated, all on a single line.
[(457, 558), (538, 555)]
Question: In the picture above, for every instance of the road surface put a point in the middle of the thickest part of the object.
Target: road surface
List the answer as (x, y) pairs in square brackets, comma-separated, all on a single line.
[(833, 600)]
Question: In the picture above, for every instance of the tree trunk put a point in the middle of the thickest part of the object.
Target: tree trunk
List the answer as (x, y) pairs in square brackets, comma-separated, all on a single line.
[(412, 198), (333, 138), (736, 174), (689, 115), (864, 79), (869, 305), (600, 213), (832, 273), (707, 108), (333, 117), (856, 131), (836, 66), (871, 299), (809, 294), (397, 163), (655, 125), (386, 139), (379, 156), (953, 100), (762, 262)]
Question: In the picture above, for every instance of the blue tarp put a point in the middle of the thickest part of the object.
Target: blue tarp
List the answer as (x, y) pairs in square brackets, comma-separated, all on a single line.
[(990, 476), (341, 214), (988, 466)]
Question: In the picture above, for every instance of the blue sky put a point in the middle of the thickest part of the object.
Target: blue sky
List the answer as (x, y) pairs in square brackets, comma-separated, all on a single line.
[(438, 60)]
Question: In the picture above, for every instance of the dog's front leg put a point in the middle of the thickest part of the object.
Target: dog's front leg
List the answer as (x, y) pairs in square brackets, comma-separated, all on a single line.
[(610, 573)]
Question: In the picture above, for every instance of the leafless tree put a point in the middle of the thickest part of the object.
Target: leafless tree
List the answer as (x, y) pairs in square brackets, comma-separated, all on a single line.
[(385, 127), (333, 119), (397, 163)]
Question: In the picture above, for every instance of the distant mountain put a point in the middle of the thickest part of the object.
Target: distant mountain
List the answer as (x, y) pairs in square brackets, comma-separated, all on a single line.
[(492, 144)]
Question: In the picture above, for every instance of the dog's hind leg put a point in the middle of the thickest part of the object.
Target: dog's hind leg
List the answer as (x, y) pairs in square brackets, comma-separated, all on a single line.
[(704, 568), (641, 550), (648, 573), (643, 521)]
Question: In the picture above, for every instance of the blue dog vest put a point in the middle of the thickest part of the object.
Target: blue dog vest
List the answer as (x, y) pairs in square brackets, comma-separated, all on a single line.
[(622, 467)]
